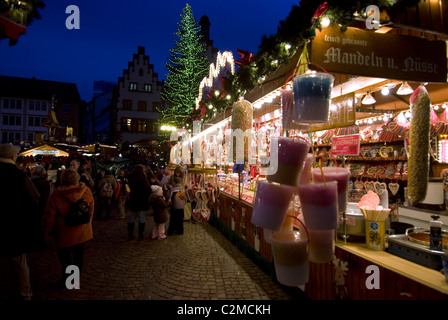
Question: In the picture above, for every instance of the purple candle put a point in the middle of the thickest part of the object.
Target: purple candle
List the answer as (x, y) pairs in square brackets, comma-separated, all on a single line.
[(286, 160), (271, 204), (319, 205), (287, 109), (341, 176)]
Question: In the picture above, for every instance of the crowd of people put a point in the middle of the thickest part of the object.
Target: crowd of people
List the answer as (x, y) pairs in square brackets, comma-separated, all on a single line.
[(36, 208)]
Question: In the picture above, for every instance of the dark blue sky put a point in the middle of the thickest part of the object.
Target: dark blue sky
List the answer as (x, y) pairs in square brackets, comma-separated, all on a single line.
[(111, 30)]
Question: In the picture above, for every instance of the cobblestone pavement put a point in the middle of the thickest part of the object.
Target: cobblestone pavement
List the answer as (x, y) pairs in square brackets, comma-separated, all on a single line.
[(201, 264)]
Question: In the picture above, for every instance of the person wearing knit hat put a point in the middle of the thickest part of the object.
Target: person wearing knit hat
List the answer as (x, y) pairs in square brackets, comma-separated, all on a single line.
[(19, 199), (159, 207), (7, 151)]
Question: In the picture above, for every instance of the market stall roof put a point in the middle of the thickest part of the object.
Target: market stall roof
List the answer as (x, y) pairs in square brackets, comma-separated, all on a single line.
[(32, 88), (44, 150)]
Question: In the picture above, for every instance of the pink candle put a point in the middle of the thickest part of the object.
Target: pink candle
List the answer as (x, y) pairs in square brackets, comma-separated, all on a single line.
[(319, 205), (290, 251), (271, 204), (287, 155), (341, 176)]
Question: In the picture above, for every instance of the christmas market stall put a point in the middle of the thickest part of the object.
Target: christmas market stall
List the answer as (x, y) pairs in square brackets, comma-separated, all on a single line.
[(332, 169)]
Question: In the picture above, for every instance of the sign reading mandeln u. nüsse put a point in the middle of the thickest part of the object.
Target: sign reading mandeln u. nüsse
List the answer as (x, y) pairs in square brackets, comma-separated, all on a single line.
[(367, 53)]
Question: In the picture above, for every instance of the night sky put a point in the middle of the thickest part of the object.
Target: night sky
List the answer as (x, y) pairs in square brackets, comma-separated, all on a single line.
[(111, 30)]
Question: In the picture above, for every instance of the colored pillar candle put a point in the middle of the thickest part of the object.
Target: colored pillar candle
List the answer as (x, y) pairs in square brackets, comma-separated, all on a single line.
[(321, 246), (287, 109), (319, 205), (286, 160), (312, 95), (290, 258), (341, 176), (271, 204)]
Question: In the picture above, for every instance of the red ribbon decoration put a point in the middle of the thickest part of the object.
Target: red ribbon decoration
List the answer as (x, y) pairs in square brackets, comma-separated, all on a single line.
[(247, 58), (203, 108), (323, 7)]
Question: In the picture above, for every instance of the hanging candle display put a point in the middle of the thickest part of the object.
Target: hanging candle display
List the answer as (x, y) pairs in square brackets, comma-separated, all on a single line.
[(286, 159), (287, 109), (312, 96)]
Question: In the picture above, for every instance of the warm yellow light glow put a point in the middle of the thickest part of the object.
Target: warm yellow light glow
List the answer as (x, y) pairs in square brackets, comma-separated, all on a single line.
[(222, 60), (325, 22)]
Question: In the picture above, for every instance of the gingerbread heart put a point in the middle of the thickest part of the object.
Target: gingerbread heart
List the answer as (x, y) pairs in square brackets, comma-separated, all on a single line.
[(393, 187), (369, 185), (380, 187), (359, 185)]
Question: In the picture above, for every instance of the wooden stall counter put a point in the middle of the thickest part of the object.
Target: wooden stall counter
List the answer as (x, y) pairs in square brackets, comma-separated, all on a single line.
[(359, 273)]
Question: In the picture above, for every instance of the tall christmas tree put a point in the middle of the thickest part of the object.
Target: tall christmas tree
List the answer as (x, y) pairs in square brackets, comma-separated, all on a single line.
[(187, 66)]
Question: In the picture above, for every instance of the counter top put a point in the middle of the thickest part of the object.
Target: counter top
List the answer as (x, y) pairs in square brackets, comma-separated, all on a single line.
[(431, 278)]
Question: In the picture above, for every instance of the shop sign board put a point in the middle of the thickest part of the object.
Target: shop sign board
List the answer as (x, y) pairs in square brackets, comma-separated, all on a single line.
[(367, 53), (345, 145), (342, 114)]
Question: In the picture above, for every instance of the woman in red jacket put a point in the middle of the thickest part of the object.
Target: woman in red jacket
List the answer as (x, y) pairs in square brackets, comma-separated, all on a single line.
[(69, 240)]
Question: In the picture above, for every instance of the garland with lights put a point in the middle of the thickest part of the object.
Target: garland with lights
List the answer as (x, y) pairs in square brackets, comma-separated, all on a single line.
[(292, 34), (21, 11)]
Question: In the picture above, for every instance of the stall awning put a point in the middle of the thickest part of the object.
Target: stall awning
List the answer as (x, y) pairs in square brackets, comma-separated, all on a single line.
[(44, 150)]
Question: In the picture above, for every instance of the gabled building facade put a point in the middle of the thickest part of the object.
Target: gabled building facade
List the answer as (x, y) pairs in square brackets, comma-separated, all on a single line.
[(138, 98)]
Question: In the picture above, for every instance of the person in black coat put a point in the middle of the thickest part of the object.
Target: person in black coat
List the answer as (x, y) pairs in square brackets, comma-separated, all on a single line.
[(40, 180), (138, 200), (19, 199)]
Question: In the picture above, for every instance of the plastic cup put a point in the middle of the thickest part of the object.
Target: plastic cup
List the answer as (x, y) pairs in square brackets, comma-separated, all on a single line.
[(375, 235), (312, 95), (271, 204), (290, 156), (341, 175), (290, 252)]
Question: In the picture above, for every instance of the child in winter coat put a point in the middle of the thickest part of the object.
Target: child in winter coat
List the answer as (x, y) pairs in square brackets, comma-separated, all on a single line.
[(159, 206)]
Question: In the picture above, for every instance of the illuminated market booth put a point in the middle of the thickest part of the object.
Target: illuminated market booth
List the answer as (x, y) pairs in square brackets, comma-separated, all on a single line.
[(358, 131)]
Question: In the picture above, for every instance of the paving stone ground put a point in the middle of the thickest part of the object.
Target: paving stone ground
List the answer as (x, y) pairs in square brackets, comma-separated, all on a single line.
[(201, 264)]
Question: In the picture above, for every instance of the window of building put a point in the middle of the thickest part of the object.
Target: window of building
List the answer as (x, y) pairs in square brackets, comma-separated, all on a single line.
[(125, 124), (11, 137), (12, 104), (127, 104), (141, 127), (65, 108), (35, 121), (30, 137), (142, 106), (140, 72), (152, 127), (132, 86), (148, 87), (12, 120)]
